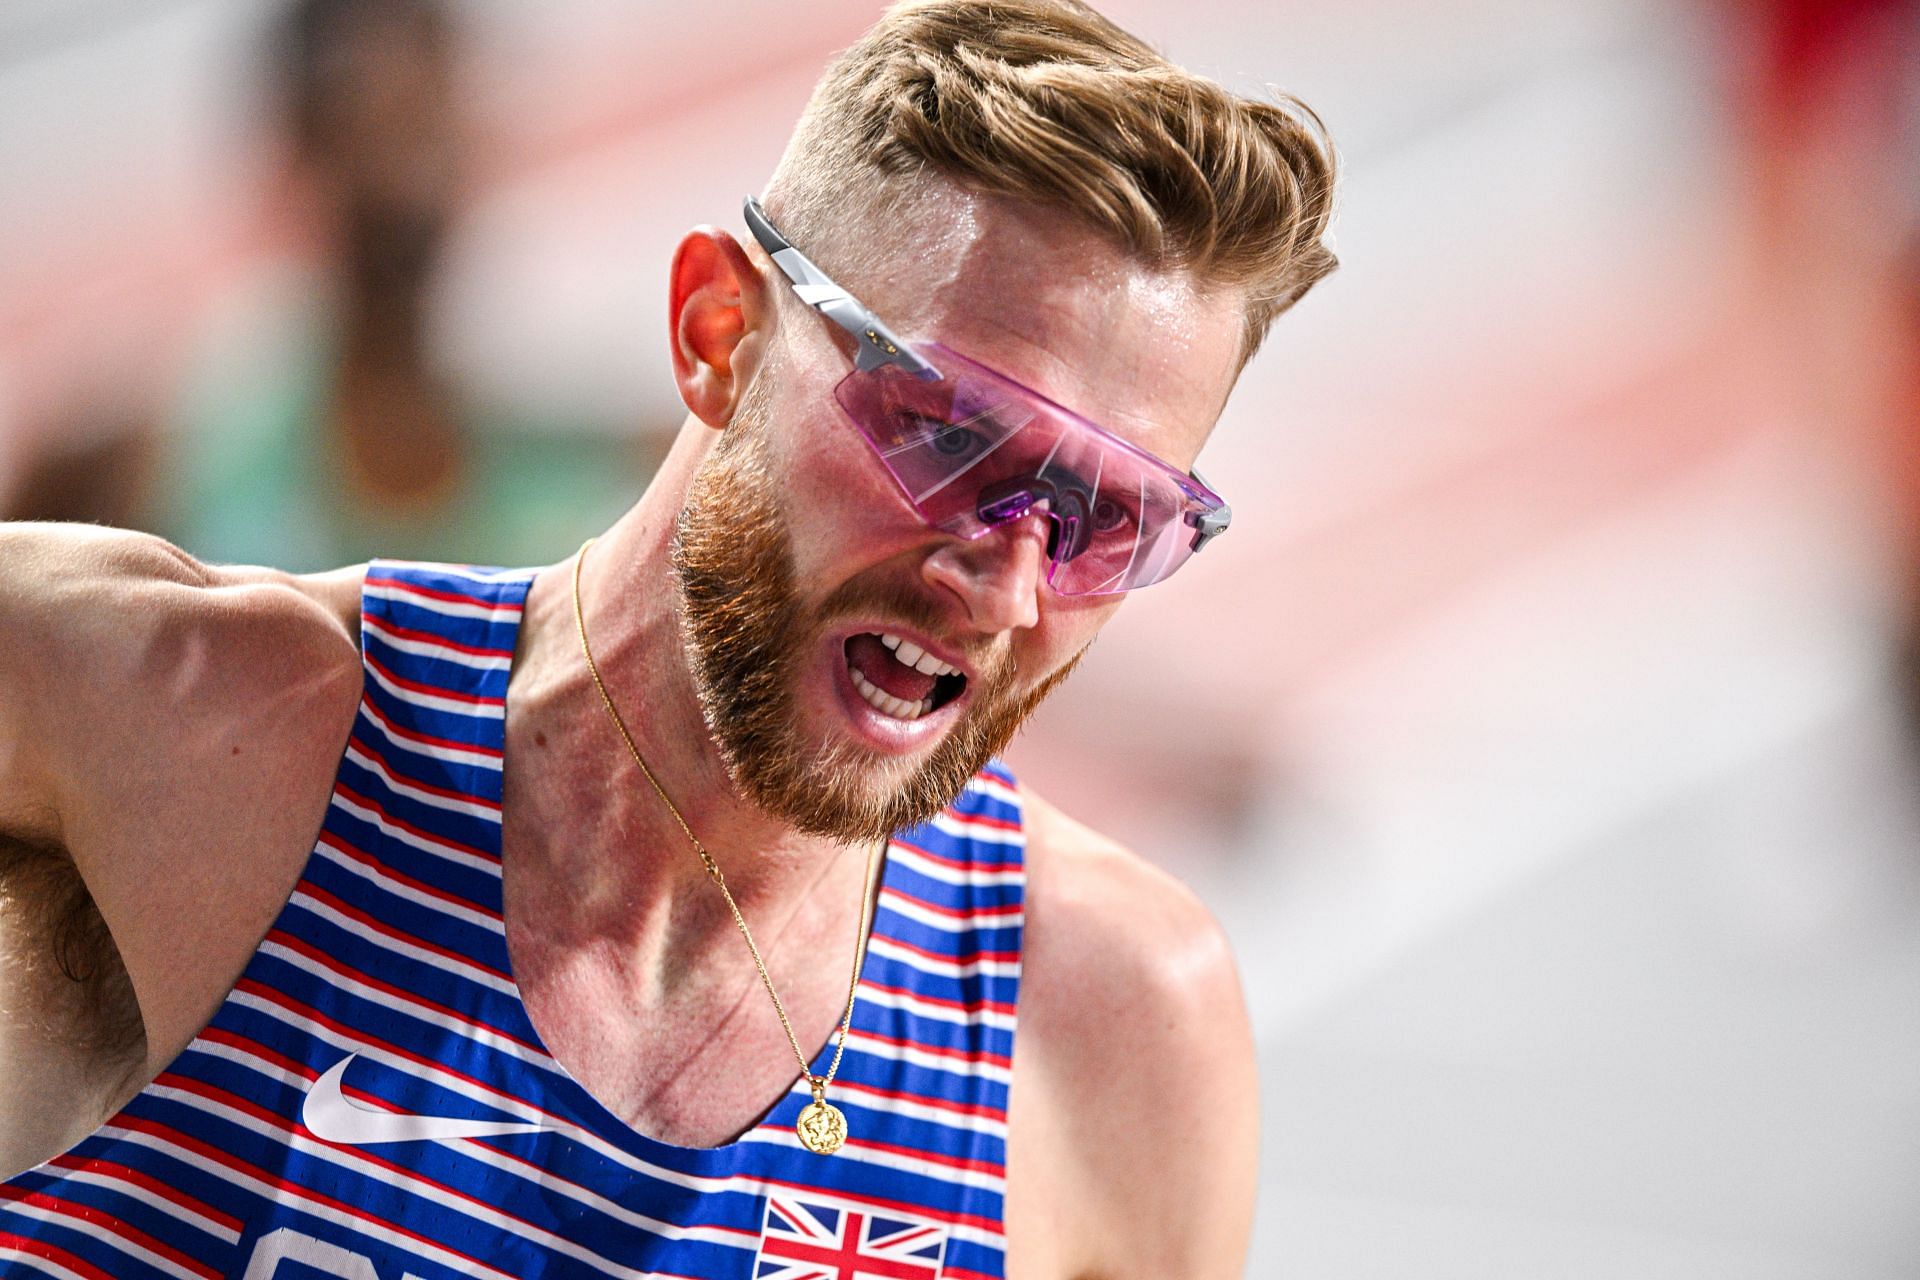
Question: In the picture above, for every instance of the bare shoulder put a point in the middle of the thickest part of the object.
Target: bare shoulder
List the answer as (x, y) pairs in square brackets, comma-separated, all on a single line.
[(73, 596), (1135, 1092), (1108, 896), (171, 727), (113, 633), (128, 661)]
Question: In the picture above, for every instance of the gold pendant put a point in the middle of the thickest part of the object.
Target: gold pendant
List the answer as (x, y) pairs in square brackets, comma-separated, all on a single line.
[(821, 1126)]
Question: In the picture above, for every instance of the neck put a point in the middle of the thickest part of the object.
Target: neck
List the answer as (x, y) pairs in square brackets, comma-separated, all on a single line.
[(626, 873)]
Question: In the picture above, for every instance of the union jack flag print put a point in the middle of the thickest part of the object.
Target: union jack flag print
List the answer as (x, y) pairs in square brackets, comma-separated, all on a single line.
[(805, 1241)]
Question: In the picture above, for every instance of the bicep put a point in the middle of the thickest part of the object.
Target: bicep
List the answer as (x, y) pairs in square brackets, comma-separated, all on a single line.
[(128, 671), (1141, 1067), (186, 731), (1177, 1135)]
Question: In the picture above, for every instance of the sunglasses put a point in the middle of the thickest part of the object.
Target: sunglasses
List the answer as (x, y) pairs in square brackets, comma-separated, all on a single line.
[(973, 449)]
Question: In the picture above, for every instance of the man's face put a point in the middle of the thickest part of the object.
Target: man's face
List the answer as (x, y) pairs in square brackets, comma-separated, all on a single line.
[(805, 575)]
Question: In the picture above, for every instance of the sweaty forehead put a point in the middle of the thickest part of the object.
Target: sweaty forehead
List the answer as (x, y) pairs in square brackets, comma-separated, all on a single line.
[(1149, 354)]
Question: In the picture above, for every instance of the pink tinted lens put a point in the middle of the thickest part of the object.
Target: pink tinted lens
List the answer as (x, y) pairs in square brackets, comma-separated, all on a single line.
[(973, 449)]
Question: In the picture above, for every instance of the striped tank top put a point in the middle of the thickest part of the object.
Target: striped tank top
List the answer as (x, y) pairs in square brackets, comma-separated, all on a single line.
[(381, 1010)]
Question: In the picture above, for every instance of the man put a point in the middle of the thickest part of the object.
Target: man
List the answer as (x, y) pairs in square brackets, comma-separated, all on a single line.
[(588, 1014), (317, 422)]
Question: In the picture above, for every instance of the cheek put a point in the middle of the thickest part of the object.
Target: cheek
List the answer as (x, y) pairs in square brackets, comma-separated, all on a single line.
[(840, 501), (1068, 624)]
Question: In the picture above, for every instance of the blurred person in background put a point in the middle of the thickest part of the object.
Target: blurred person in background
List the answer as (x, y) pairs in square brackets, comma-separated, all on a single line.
[(515, 1022), (317, 427)]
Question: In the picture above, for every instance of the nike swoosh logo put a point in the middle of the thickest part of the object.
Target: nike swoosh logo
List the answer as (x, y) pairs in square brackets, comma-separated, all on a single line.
[(331, 1116)]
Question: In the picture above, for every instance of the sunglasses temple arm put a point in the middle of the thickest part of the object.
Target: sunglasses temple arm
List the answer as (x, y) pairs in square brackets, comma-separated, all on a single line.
[(1208, 525), (878, 345)]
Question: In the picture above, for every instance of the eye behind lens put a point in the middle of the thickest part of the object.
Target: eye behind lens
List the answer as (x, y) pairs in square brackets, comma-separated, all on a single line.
[(956, 442), (1108, 515)]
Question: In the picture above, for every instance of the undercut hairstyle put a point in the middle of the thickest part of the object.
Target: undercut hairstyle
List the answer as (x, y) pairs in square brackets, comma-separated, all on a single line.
[(1048, 103)]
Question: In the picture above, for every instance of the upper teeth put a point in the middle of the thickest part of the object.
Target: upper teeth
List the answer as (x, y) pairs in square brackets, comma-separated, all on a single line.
[(912, 655)]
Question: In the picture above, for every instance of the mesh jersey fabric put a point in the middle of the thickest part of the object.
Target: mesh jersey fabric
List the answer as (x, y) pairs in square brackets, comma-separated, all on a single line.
[(390, 957)]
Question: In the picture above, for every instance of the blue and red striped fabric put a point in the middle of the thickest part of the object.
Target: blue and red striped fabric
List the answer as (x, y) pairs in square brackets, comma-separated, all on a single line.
[(391, 951)]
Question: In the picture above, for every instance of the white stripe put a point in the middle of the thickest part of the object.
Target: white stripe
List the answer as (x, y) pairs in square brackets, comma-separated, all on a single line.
[(937, 1012), (474, 1031), (926, 1059), (375, 875), (360, 1162), (960, 826), (386, 942), (187, 1156), (400, 784), (434, 702), (47, 1265), (484, 1036), (520, 1108), (464, 572), (899, 903), (967, 876), (273, 1193), (426, 843), (858, 1095), (945, 968), (547, 1183), (434, 750), (122, 1186), (439, 652), (102, 1236), (978, 1179), (994, 789), (446, 608), (975, 1178)]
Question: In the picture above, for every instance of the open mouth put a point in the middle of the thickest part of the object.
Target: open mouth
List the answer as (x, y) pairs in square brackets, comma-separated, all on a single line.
[(898, 678)]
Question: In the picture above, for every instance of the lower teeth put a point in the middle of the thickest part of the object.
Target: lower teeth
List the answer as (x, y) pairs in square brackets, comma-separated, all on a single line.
[(880, 700)]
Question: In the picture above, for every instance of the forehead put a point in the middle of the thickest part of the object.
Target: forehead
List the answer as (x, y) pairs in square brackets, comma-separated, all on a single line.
[(1148, 354)]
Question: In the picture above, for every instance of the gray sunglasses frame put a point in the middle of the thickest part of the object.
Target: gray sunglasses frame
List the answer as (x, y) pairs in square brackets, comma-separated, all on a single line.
[(878, 345)]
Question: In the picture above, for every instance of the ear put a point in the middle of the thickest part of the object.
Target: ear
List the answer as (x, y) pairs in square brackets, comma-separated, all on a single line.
[(719, 314)]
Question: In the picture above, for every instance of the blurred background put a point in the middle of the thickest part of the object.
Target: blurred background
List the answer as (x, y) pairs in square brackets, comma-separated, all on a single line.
[(1544, 735)]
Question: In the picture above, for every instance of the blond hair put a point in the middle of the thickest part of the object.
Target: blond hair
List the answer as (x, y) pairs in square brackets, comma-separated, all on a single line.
[(1047, 102)]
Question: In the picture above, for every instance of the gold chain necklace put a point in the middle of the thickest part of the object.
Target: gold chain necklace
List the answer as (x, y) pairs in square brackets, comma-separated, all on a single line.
[(822, 1127)]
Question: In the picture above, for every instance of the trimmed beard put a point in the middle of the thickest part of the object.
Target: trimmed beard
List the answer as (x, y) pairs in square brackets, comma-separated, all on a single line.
[(746, 634)]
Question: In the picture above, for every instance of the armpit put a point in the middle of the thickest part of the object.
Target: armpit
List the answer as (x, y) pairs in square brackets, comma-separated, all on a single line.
[(63, 977)]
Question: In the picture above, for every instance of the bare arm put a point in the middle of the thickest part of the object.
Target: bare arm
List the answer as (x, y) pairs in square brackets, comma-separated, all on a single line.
[(167, 727), (1134, 1116), (66, 592)]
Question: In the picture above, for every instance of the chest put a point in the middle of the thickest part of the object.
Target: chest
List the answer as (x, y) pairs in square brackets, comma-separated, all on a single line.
[(683, 1043)]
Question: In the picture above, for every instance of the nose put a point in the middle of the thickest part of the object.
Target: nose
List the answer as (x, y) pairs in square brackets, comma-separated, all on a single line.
[(997, 576)]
